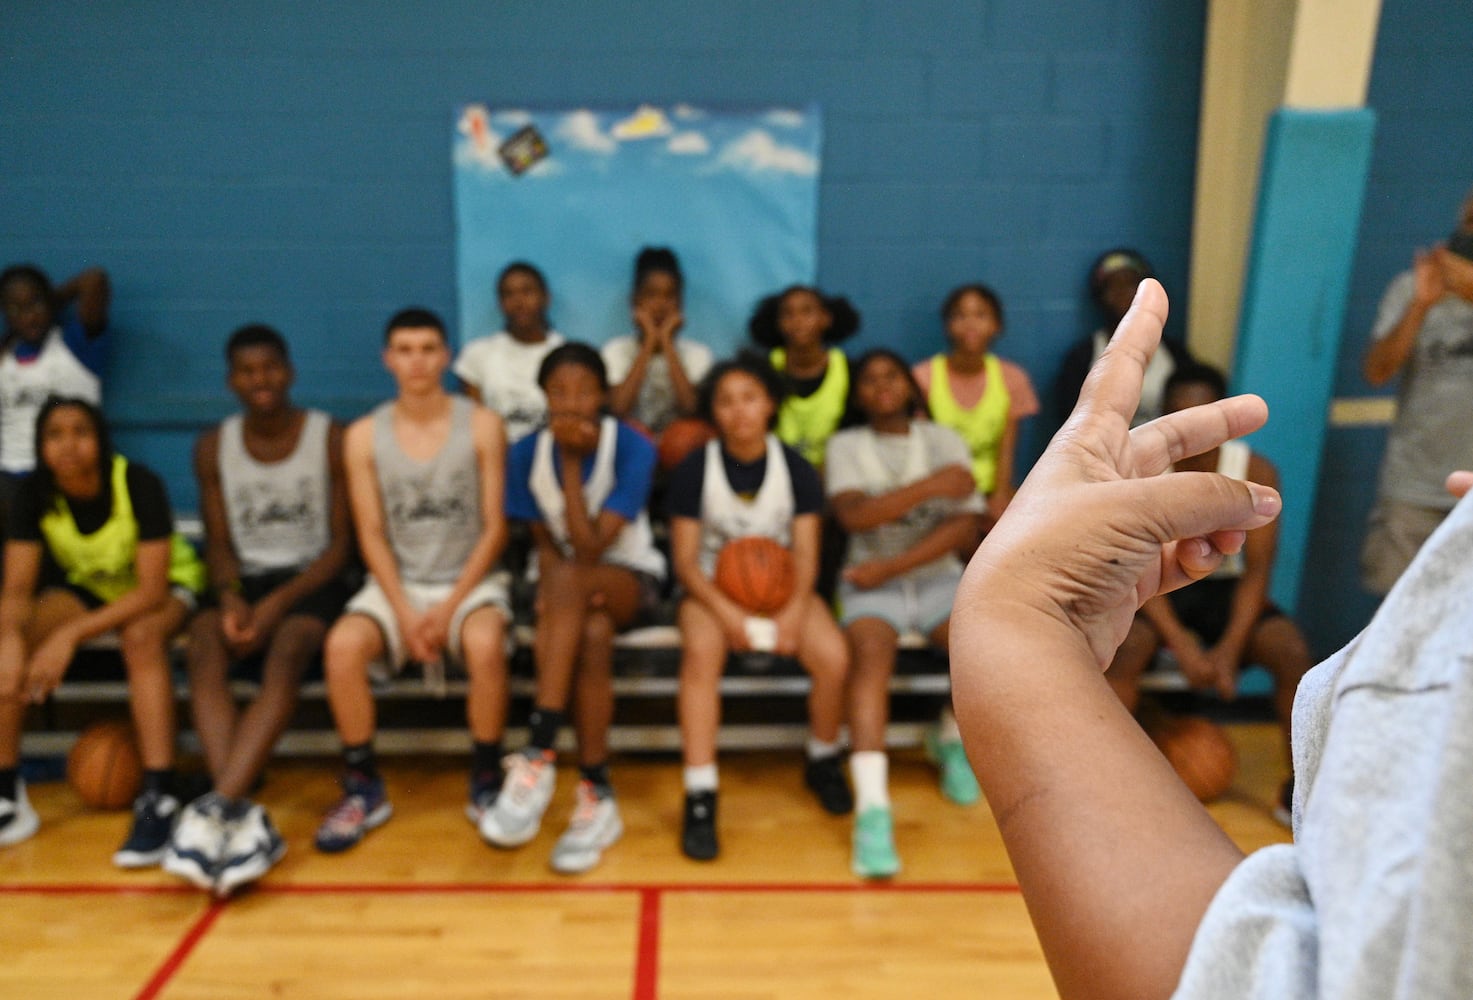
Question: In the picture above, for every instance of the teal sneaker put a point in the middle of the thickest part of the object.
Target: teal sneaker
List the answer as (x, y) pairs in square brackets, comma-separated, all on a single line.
[(874, 844), (958, 783)]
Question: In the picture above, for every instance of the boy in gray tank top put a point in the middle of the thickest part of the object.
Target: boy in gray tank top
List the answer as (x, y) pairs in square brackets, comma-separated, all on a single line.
[(425, 477), (277, 541)]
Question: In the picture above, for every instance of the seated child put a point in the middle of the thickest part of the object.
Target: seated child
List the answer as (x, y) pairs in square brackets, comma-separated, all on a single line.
[(653, 374), (1218, 625), (277, 539), (747, 483), (425, 484), (500, 370), (901, 488), (976, 393), (105, 523), (47, 351), (799, 326), (582, 483)]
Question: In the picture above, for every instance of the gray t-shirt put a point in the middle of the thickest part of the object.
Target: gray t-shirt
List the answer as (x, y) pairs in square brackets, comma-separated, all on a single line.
[(859, 459), (1433, 432), (1372, 899)]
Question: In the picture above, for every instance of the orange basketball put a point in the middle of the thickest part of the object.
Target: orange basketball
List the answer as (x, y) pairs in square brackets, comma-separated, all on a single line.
[(757, 573), (681, 438), (1200, 753), (104, 767)]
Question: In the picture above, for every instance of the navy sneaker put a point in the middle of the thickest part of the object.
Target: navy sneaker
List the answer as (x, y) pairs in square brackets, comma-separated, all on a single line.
[(363, 807), (153, 825)]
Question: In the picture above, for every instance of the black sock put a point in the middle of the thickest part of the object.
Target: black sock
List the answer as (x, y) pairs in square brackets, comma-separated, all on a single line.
[(597, 775), (486, 770), (360, 760), (159, 782), (544, 723), (9, 789)]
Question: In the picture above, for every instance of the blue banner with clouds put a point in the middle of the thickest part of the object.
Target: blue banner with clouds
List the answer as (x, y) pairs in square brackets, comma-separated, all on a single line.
[(578, 192)]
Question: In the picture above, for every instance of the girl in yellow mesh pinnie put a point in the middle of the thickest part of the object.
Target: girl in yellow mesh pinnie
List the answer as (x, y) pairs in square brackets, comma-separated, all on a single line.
[(976, 393), (799, 327)]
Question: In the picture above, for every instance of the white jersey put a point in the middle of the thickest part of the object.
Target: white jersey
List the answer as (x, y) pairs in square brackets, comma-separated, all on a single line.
[(24, 388), (279, 513), (726, 516), (1232, 461), (634, 547)]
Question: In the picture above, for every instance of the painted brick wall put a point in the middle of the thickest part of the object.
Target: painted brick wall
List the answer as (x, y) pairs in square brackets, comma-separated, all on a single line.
[(1421, 167), (290, 162)]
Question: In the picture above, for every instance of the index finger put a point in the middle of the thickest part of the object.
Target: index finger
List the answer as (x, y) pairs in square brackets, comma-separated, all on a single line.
[(1114, 383)]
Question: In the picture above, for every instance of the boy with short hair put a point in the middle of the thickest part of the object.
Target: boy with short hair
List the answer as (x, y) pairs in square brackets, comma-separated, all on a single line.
[(425, 479), (277, 540)]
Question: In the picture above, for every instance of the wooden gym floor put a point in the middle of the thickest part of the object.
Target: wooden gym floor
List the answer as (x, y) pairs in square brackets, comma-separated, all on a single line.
[(424, 908)]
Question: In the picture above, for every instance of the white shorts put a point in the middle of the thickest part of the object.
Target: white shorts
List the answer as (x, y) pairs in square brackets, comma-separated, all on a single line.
[(373, 603), (907, 605)]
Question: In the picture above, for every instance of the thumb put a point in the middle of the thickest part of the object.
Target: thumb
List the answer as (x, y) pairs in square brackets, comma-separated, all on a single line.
[(1195, 504)]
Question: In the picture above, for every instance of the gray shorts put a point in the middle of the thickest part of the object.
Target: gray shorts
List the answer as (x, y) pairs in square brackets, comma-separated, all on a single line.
[(1395, 532), (373, 603), (907, 605)]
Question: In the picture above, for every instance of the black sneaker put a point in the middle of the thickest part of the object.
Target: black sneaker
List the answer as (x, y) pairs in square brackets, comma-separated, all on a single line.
[(153, 824), (698, 833), (824, 776)]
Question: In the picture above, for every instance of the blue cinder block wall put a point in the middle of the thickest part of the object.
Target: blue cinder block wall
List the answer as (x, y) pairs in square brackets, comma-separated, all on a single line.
[(291, 162), (1421, 168)]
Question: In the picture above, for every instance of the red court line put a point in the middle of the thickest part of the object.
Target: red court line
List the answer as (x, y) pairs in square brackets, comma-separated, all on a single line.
[(180, 954), (492, 888), (95, 889), (647, 953), (512, 888)]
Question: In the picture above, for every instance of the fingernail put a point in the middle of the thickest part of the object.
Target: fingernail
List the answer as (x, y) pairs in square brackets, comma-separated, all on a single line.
[(1265, 501)]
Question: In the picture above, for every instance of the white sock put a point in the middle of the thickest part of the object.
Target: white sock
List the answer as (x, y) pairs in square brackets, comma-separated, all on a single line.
[(870, 770), (950, 731), (701, 778), (819, 749)]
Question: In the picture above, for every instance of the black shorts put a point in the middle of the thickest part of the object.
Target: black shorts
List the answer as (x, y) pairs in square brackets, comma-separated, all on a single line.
[(1204, 607), (325, 603)]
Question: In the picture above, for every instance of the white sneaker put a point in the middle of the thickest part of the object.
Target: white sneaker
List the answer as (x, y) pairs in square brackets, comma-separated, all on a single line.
[(198, 842), (596, 826), (254, 847), (517, 814), (18, 821)]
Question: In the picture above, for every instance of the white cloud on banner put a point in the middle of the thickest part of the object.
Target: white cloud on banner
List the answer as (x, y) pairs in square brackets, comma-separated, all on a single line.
[(580, 130), (759, 152), (784, 118), (689, 144)]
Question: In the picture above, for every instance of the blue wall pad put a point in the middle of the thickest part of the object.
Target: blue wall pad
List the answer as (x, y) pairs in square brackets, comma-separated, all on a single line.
[(1310, 191)]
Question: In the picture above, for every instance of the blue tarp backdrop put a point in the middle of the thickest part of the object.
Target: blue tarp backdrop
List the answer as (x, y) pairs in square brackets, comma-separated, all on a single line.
[(577, 192)]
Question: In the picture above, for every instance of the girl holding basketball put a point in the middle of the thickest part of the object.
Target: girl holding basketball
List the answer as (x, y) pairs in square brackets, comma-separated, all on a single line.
[(582, 484), (747, 483), (106, 526), (799, 327), (973, 391), (902, 489)]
